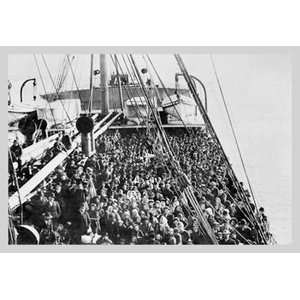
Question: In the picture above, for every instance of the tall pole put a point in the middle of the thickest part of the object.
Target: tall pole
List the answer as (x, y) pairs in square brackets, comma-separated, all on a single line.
[(119, 84), (91, 84), (87, 139), (17, 185), (104, 85)]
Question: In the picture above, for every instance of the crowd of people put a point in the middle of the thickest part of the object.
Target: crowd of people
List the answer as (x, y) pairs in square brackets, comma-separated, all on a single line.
[(24, 171), (125, 194)]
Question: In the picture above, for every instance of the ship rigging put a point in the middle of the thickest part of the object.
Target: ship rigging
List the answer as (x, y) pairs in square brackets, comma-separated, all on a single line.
[(144, 107)]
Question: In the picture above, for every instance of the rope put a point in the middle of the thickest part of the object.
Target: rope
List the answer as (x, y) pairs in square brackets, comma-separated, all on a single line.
[(60, 75), (232, 128), (140, 115), (158, 96), (136, 79), (37, 132), (119, 85), (207, 121), (90, 102), (117, 63), (210, 127), (157, 120), (204, 222), (11, 227), (64, 74), (234, 133), (236, 231), (143, 88), (51, 78), (187, 191), (17, 185), (44, 87), (75, 81), (247, 216), (167, 93)]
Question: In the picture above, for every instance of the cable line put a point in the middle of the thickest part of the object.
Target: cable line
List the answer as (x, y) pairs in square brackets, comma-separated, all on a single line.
[(17, 184), (210, 127), (128, 91), (55, 88), (166, 91), (183, 181), (44, 87), (232, 128), (75, 81)]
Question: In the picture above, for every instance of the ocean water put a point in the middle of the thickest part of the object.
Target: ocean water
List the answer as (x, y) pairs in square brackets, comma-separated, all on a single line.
[(267, 154)]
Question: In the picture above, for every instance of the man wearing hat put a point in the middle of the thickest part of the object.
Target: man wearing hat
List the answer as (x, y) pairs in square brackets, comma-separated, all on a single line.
[(47, 235), (227, 240), (95, 218), (79, 196), (81, 224), (36, 207), (245, 231), (16, 152), (53, 207)]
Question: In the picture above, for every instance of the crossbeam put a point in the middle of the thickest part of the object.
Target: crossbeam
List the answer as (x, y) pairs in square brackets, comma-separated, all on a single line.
[(106, 126), (16, 199), (36, 150)]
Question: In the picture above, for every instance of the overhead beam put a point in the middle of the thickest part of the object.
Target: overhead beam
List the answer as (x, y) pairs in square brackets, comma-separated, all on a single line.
[(36, 150), (106, 126), (14, 201), (98, 125), (32, 183)]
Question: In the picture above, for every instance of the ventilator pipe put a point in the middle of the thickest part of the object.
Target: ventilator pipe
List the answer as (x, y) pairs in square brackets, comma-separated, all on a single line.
[(194, 79), (22, 86)]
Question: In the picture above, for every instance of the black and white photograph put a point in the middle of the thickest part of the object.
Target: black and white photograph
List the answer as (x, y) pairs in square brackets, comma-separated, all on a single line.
[(150, 149)]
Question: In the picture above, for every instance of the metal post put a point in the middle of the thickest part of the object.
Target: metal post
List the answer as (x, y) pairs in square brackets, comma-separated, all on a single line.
[(194, 79), (91, 84), (17, 185), (87, 139), (22, 86), (119, 84), (91, 141), (104, 85)]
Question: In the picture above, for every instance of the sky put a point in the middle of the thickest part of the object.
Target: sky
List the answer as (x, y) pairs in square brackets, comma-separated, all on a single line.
[(257, 89)]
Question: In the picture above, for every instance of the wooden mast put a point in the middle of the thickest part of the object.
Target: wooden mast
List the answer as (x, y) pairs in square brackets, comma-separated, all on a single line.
[(119, 84), (91, 84), (87, 139), (104, 85)]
